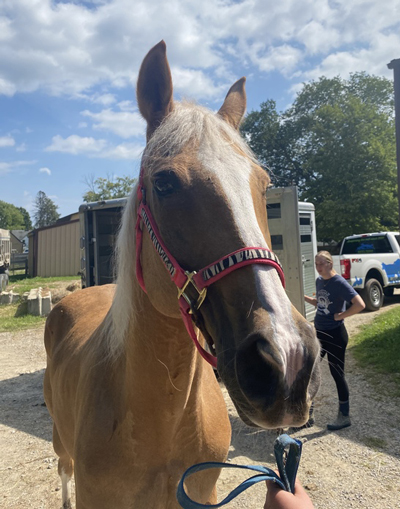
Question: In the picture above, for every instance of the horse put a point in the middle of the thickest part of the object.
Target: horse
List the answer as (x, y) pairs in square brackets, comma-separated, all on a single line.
[(131, 396)]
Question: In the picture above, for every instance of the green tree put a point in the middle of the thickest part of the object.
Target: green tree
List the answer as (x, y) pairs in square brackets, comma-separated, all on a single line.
[(337, 144), (107, 188), (11, 218), (45, 211), (27, 218), (272, 138)]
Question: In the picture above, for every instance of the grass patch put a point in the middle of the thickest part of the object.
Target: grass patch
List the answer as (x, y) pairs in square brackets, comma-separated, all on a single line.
[(374, 442), (21, 285), (12, 319), (377, 347)]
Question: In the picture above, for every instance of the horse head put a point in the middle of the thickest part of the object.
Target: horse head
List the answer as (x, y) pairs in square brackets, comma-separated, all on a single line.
[(207, 197)]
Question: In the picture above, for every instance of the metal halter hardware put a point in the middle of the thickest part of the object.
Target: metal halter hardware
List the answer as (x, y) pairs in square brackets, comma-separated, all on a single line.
[(202, 293), (200, 279)]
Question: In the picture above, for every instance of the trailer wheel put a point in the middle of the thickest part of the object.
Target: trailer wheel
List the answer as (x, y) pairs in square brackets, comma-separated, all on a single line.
[(372, 295)]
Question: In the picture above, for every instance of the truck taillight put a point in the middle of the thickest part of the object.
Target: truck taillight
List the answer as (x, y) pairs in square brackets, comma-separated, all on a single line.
[(345, 266)]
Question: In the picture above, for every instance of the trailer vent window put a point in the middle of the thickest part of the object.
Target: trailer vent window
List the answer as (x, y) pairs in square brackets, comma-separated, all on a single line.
[(274, 211), (305, 238), (277, 242)]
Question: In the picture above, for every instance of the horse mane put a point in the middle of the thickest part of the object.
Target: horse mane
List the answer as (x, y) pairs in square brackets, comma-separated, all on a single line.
[(186, 123)]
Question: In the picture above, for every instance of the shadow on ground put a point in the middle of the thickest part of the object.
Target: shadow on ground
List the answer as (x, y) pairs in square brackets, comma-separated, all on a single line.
[(22, 405)]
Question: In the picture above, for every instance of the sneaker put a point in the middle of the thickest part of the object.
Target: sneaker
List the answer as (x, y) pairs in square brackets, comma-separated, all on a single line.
[(342, 421)]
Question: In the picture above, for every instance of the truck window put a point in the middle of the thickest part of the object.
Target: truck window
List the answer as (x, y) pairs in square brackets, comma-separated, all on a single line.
[(397, 237), (367, 245)]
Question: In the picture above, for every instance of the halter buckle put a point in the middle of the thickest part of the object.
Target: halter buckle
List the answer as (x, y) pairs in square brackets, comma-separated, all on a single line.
[(202, 293)]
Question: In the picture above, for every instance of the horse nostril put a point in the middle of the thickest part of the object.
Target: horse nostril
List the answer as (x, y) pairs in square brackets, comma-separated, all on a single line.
[(259, 369), (270, 354)]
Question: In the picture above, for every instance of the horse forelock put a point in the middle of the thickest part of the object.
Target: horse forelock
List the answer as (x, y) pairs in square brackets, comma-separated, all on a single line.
[(192, 123)]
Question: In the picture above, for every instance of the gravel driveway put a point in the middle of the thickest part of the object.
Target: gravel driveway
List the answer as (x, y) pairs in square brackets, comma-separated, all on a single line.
[(358, 467)]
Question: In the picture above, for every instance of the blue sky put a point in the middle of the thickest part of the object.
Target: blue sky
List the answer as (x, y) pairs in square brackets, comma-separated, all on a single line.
[(68, 70)]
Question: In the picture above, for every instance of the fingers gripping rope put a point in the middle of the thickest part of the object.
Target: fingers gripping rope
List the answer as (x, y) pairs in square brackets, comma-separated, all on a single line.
[(286, 478)]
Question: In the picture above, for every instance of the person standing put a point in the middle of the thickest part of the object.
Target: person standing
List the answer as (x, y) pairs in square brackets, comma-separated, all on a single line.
[(332, 293)]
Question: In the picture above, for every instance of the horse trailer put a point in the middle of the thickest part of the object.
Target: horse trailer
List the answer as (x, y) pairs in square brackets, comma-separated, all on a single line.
[(294, 242), (5, 257)]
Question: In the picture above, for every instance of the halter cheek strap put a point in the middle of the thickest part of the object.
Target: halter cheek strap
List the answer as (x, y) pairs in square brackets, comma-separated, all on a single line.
[(199, 280)]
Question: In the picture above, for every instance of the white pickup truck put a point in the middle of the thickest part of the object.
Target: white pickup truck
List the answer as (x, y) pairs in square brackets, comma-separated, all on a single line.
[(371, 264)]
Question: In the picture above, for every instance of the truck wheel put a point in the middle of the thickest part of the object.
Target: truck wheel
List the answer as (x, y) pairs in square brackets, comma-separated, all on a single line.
[(388, 291), (373, 295)]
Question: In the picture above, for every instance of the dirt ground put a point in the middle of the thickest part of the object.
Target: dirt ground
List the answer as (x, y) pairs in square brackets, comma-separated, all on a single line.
[(358, 467)]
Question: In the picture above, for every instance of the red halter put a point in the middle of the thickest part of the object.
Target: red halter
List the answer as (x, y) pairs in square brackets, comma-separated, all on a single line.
[(201, 279)]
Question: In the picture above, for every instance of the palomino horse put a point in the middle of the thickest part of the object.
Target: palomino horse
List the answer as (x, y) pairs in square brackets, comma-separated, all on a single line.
[(132, 401)]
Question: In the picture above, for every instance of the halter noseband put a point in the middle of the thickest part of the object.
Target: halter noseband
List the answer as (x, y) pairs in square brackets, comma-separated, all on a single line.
[(198, 280)]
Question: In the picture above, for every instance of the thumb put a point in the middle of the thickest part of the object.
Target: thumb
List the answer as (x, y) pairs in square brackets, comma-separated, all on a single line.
[(273, 487)]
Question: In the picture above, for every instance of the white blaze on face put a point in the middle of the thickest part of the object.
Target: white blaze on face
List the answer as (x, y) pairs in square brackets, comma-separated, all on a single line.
[(235, 180)]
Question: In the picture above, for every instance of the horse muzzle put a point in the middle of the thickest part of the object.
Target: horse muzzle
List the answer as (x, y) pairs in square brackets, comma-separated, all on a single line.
[(269, 387)]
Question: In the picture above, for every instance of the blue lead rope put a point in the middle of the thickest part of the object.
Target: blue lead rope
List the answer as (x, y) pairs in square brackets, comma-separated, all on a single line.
[(286, 478)]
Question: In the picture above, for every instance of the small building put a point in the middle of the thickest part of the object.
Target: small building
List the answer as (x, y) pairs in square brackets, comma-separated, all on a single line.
[(54, 250), (19, 241)]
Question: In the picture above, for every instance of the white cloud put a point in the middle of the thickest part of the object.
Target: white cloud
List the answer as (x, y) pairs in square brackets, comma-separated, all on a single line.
[(125, 124), (76, 145), (10, 166), (70, 47), (344, 62), (45, 170), (284, 57), (91, 147), (7, 141), (105, 99), (196, 84), (7, 88), (124, 151), (126, 105), (318, 38)]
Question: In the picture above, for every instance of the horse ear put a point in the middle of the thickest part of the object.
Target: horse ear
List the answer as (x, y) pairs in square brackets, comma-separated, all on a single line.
[(154, 87), (234, 106)]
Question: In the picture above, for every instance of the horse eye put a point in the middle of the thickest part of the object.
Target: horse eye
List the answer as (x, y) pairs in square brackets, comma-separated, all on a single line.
[(163, 186)]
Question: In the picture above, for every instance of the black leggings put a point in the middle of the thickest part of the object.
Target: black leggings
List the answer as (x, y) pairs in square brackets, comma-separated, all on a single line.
[(334, 343)]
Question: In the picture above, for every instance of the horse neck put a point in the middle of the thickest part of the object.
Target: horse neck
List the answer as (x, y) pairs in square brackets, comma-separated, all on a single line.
[(161, 359)]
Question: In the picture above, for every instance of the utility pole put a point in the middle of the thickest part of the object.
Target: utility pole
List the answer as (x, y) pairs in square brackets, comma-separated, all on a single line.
[(395, 65)]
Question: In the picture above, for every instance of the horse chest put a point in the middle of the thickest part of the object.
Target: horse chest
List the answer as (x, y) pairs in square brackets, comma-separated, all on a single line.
[(155, 488), (140, 464)]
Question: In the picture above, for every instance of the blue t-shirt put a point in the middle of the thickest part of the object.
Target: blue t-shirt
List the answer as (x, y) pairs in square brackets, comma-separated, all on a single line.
[(332, 295)]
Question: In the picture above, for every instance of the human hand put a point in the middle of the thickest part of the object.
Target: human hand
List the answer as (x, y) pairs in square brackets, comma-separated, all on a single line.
[(337, 317), (280, 499)]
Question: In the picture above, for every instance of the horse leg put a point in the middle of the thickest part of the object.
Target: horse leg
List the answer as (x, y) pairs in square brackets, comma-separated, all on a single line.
[(65, 469), (213, 497)]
